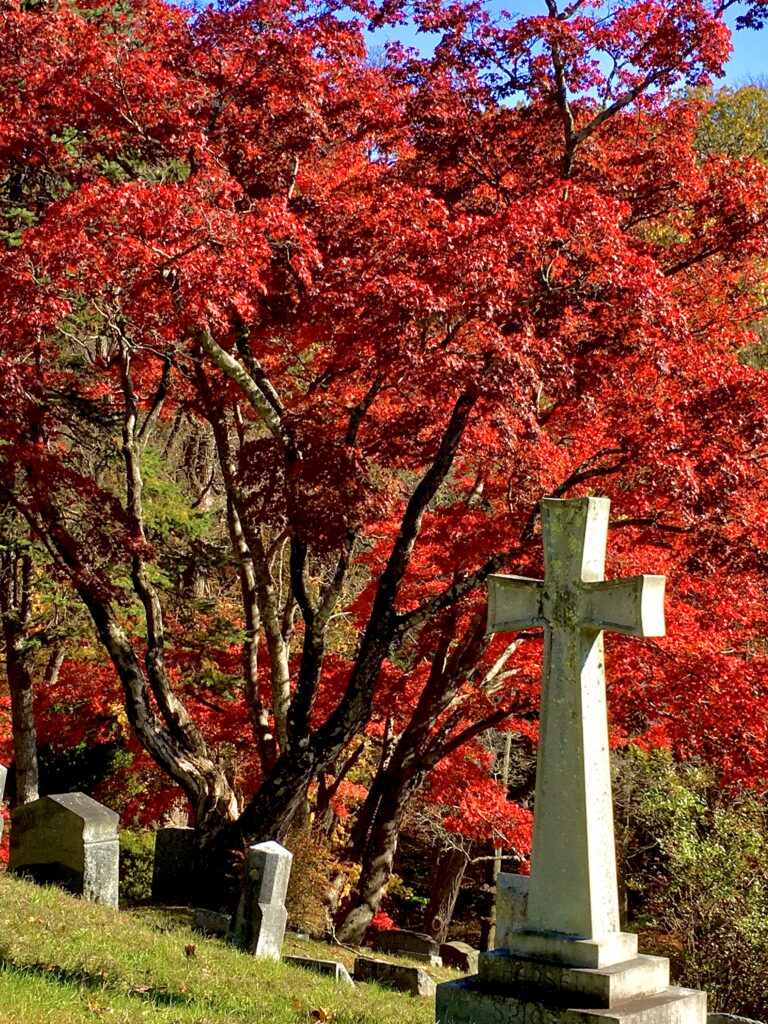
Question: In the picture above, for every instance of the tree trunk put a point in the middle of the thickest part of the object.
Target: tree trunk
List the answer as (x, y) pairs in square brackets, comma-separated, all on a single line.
[(377, 861), (20, 684), (15, 604), (446, 883)]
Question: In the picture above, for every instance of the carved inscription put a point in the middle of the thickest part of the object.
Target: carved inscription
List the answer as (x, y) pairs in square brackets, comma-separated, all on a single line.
[(464, 1004)]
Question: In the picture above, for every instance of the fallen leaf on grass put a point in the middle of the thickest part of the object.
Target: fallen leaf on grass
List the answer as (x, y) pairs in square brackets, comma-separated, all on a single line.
[(321, 1014), (190, 949)]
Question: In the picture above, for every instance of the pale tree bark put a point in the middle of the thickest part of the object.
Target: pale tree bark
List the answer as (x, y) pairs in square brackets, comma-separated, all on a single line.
[(159, 718)]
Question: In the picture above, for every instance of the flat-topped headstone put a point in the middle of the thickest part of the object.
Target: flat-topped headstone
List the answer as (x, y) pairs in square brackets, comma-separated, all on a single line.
[(564, 958), (511, 905), (405, 979), (460, 955), (417, 945), (174, 869), (260, 918), (70, 840), (210, 922)]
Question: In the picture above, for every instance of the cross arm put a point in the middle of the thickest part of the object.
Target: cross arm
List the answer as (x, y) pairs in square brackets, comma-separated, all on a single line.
[(514, 602), (634, 606)]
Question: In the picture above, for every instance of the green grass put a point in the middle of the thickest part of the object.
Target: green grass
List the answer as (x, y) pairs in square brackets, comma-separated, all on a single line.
[(63, 960)]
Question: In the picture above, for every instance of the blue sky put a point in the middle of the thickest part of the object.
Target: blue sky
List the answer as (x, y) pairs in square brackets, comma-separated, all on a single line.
[(749, 61), (750, 56)]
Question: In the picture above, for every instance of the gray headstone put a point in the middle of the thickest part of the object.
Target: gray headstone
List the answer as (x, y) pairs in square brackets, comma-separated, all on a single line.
[(332, 968), (460, 955), (511, 906), (260, 919), (729, 1018), (174, 871), (404, 979), (3, 777), (210, 922), (69, 840), (398, 940)]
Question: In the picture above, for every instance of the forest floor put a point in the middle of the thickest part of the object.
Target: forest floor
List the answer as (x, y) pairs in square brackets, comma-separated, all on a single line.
[(66, 961)]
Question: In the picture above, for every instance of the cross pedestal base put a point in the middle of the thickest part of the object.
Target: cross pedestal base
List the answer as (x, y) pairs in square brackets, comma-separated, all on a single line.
[(511, 989), (552, 947)]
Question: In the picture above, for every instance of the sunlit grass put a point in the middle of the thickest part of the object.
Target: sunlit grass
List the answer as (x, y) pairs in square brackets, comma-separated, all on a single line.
[(65, 960)]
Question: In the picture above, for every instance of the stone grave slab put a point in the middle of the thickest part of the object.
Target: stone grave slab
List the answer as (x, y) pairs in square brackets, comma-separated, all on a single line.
[(174, 870), (563, 958), (405, 979), (332, 968), (260, 918), (460, 955), (416, 945), (70, 840), (210, 922)]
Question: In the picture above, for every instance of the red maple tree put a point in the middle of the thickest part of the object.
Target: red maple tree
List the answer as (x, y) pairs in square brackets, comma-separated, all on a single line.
[(393, 305)]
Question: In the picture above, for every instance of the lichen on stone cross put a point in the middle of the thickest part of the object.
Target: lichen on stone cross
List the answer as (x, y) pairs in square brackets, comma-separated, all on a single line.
[(573, 913)]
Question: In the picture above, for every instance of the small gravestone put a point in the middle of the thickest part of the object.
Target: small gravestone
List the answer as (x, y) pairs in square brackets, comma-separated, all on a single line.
[(459, 955), (404, 979), (174, 870), (260, 919), (3, 777), (331, 968), (210, 922), (416, 945), (69, 840), (511, 906)]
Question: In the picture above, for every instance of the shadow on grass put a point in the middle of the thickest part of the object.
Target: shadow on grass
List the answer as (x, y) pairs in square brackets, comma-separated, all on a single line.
[(82, 978)]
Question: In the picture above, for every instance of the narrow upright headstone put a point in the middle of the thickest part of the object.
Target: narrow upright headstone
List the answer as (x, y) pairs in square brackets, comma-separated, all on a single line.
[(69, 840), (260, 919), (564, 952), (511, 905), (174, 869)]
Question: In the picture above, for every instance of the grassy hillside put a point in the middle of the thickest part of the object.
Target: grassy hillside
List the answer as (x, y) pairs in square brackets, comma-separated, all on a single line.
[(65, 961)]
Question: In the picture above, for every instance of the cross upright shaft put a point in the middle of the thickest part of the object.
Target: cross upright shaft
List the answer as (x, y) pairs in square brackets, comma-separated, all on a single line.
[(573, 889)]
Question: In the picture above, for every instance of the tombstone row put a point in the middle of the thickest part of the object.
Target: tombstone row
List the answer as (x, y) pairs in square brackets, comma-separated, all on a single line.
[(565, 959), (71, 840)]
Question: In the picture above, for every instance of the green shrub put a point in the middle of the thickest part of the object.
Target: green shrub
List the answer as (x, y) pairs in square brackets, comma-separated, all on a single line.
[(695, 861), (313, 872), (137, 855)]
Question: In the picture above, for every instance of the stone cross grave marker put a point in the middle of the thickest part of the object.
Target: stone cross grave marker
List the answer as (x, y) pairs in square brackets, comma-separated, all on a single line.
[(260, 918), (564, 960), (573, 913)]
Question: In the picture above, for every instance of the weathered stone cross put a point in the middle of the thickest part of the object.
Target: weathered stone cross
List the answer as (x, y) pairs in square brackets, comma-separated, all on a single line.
[(573, 914)]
